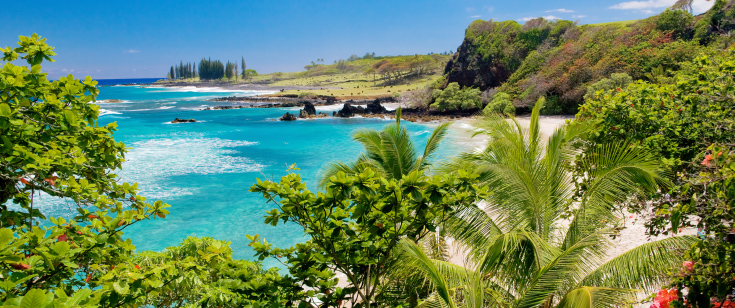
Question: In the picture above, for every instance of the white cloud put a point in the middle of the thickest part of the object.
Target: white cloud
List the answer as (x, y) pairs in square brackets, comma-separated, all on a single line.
[(470, 9), (640, 5), (548, 17), (560, 11), (475, 16), (131, 51), (699, 6), (579, 16)]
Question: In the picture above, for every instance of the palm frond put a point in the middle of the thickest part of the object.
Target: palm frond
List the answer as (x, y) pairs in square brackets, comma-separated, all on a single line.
[(596, 297), (555, 275), (416, 258), (398, 151), (616, 172), (333, 168), (433, 143), (643, 267)]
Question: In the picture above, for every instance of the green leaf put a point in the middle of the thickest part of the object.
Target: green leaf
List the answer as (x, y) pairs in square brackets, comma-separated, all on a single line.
[(61, 248), (35, 298), (121, 287), (5, 110)]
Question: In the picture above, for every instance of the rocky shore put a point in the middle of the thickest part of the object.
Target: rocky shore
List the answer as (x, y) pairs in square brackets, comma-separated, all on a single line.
[(350, 108)]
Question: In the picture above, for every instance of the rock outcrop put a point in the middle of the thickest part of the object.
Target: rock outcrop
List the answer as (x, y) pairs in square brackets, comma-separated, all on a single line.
[(177, 120), (469, 68), (348, 110), (308, 111), (288, 117)]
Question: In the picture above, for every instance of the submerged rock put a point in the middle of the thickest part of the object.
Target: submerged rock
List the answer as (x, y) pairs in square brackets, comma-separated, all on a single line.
[(177, 120)]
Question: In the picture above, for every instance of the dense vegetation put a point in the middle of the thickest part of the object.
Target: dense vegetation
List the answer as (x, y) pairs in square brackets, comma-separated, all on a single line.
[(534, 215), (210, 70), (559, 60)]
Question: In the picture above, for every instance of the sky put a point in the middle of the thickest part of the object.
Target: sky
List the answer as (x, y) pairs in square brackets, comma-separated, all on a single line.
[(142, 39)]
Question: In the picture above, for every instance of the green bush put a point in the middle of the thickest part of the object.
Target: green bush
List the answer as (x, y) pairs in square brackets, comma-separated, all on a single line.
[(221, 281), (616, 81), (676, 122), (676, 21), (454, 98), (52, 142), (501, 103)]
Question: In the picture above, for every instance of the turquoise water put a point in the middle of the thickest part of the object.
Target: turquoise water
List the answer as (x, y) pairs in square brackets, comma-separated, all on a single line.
[(204, 169)]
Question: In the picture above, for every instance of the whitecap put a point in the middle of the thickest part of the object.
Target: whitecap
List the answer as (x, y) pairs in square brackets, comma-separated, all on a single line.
[(106, 112), (151, 161), (166, 107), (422, 133)]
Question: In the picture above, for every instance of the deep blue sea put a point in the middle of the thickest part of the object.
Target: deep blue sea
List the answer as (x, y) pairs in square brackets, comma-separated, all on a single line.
[(204, 169)]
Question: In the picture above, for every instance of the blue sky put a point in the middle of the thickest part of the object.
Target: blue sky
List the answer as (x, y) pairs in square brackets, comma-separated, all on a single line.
[(136, 39)]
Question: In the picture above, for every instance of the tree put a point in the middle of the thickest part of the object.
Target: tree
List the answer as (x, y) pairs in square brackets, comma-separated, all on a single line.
[(53, 144), (243, 67), (171, 74), (390, 152), (616, 81), (220, 280), (540, 241), (454, 98), (501, 103), (355, 225)]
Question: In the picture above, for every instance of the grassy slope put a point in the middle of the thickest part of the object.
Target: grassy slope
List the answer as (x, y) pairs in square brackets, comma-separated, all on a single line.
[(622, 23), (353, 81), (350, 85)]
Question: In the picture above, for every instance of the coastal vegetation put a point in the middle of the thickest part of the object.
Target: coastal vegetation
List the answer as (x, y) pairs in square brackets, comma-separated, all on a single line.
[(531, 216), (560, 60)]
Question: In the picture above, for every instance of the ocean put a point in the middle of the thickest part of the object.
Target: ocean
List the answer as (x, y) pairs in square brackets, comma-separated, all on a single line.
[(204, 169)]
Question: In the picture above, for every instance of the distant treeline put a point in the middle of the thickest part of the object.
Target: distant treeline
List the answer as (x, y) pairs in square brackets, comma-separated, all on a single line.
[(209, 69)]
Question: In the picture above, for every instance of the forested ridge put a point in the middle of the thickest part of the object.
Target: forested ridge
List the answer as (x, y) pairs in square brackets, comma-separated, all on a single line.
[(560, 59)]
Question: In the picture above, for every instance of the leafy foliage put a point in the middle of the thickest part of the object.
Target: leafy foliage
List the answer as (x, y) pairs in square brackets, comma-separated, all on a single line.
[(52, 145), (207, 276), (561, 61), (389, 152), (616, 81), (540, 241), (500, 103), (676, 21), (674, 122), (355, 225), (707, 201), (454, 98)]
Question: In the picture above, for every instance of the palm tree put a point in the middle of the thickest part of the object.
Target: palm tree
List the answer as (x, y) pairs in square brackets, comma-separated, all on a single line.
[(389, 152), (538, 241)]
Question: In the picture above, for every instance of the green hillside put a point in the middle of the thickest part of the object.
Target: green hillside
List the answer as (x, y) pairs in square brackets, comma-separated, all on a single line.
[(560, 60)]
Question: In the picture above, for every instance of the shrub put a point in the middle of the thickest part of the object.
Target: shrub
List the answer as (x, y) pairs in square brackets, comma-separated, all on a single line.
[(420, 99), (53, 143), (616, 81), (676, 21), (454, 98), (676, 122), (501, 103)]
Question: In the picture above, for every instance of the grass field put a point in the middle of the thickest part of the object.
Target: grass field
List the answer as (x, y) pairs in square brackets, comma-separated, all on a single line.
[(358, 79), (352, 86), (622, 23)]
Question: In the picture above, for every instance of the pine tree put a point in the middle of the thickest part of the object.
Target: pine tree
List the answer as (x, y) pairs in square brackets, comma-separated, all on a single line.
[(244, 75), (171, 73)]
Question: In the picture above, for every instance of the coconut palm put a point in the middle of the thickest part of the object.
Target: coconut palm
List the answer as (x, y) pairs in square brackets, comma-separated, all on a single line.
[(389, 152), (538, 241)]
